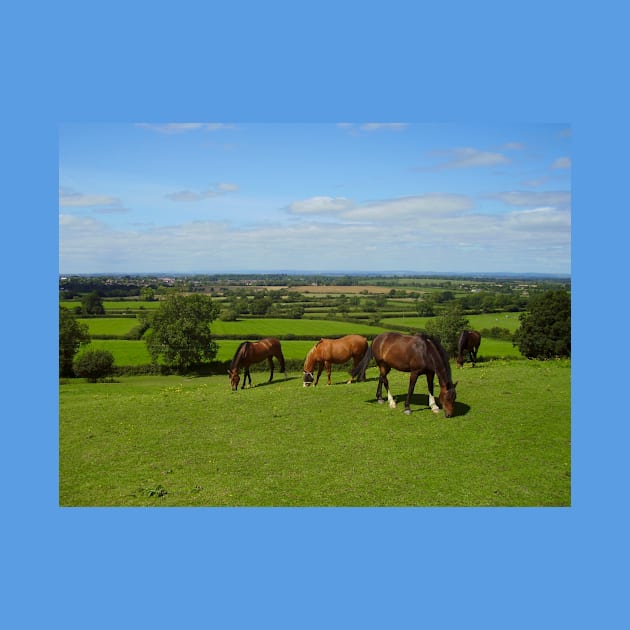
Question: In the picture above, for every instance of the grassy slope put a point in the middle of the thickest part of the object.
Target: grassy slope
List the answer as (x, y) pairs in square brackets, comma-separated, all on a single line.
[(176, 441)]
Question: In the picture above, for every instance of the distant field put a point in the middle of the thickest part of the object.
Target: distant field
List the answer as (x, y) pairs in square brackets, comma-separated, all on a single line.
[(274, 327), (337, 290), (132, 353), (487, 320), (126, 353), (118, 305), (110, 325)]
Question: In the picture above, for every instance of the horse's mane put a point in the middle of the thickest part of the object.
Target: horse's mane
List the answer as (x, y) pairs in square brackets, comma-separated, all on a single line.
[(439, 358), (311, 352), (238, 355)]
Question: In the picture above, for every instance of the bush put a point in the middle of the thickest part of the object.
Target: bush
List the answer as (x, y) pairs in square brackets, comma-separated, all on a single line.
[(94, 365), (545, 330), (71, 335), (448, 326)]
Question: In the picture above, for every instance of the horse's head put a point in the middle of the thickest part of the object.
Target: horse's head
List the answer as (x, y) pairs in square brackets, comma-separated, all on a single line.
[(447, 400), (308, 379), (234, 379), (460, 360)]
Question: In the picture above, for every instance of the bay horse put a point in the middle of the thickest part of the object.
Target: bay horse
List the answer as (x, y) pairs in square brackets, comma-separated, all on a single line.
[(328, 351), (469, 342), (254, 352), (417, 354)]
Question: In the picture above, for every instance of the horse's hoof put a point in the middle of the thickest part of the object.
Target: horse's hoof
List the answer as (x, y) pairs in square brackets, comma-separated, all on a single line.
[(380, 401), (407, 412)]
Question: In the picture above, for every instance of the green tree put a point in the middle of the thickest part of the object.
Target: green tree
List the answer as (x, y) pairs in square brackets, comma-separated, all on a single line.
[(425, 307), (448, 326), (545, 329), (147, 294), (180, 331), (94, 364), (92, 304), (71, 335)]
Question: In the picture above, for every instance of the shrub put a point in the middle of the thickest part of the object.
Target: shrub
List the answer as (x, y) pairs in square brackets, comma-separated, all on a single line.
[(94, 365), (545, 329), (71, 335)]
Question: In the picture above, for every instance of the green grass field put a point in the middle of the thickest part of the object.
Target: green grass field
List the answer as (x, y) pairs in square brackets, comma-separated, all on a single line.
[(110, 325), (115, 305), (134, 353), (477, 322), (174, 441), (274, 327)]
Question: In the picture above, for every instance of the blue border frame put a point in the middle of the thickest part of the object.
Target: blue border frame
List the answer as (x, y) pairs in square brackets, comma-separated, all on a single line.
[(285, 62)]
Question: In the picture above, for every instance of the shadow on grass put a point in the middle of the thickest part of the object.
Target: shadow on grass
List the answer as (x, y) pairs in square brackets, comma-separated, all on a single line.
[(420, 402), (275, 381)]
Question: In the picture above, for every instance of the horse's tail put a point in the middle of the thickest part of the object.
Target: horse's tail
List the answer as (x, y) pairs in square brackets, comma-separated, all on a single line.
[(359, 371)]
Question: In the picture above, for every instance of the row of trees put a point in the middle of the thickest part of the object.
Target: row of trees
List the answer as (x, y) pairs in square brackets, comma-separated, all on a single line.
[(181, 338)]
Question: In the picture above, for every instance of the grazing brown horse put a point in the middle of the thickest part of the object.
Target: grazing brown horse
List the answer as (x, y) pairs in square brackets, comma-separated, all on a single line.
[(329, 351), (254, 352), (469, 342), (416, 354)]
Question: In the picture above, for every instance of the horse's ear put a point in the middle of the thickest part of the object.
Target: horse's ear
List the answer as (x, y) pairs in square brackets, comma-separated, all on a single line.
[(455, 384)]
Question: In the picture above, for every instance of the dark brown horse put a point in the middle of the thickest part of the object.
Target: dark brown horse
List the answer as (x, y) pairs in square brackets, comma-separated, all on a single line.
[(469, 342), (417, 354), (329, 351), (254, 352)]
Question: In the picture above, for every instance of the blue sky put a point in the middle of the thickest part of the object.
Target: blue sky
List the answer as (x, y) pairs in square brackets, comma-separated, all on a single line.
[(352, 197)]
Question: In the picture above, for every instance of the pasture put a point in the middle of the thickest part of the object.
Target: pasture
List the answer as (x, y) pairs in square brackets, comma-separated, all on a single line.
[(176, 441)]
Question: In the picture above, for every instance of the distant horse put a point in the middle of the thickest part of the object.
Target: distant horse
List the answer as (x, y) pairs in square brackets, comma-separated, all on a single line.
[(254, 352), (417, 354), (469, 342), (328, 351)]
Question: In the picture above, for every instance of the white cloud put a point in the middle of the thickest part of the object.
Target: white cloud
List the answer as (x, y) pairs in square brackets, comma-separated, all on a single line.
[(384, 211), (562, 162), (521, 240), (413, 207), (227, 187), (386, 126), (469, 157), (355, 128), (320, 205), (191, 196), (533, 199), (175, 128), (71, 199)]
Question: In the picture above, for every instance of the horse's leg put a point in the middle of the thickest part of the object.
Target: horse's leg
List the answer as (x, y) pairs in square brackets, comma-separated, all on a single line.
[(270, 369), (355, 362), (328, 366), (245, 375), (413, 377), (432, 402), (473, 356), (320, 369), (384, 381), (379, 387)]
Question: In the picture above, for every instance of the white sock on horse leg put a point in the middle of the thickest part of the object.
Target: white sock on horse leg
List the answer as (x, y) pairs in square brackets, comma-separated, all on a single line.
[(390, 398)]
